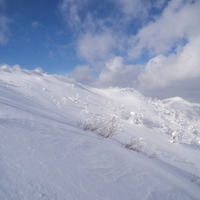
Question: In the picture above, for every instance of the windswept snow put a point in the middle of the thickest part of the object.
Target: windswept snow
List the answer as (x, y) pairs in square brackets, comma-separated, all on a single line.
[(47, 153)]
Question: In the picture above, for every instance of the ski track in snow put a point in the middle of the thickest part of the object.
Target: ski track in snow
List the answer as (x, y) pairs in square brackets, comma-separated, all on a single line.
[(45, 155)]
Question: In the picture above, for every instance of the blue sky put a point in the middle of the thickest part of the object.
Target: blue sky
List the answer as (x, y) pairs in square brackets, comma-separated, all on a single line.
[(36, 34), (151, 45), (45, 33)]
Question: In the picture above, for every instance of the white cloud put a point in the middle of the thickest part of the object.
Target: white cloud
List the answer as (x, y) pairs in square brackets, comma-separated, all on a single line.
[(158, 3), (171, 39), (132, 8), (70, 11), (83, 74), (139, 9), (177, 72), (94, 39), (95, 46), (164, 70), (178, 21), (116, 73), (93, 31)]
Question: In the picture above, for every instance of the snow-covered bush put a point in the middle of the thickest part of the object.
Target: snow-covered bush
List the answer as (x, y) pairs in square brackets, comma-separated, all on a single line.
[(136, 145), (182, 125), (196, 179), (104, 127)]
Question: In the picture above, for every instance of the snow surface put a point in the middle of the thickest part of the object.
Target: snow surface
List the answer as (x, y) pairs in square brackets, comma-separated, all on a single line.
[(48, 152)]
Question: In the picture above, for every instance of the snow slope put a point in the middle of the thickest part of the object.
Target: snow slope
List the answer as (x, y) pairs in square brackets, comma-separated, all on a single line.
[(50, 148)]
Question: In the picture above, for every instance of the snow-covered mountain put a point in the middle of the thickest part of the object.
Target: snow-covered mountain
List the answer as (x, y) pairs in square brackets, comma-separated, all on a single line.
[(60, 140)]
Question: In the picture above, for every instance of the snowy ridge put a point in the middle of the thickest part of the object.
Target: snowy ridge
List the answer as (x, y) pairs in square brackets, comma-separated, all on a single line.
[(52, 144)]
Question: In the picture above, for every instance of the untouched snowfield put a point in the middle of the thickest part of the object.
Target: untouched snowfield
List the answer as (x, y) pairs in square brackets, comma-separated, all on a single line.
[(60, 140)]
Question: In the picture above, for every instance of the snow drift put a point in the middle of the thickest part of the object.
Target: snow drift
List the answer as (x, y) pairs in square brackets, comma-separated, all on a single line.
[(52, 147)]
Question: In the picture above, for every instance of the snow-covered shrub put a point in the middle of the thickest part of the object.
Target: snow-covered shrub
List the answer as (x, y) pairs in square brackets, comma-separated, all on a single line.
[(182, 125), (153, 155), (136, 145), (196, 179), (105, 127)]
